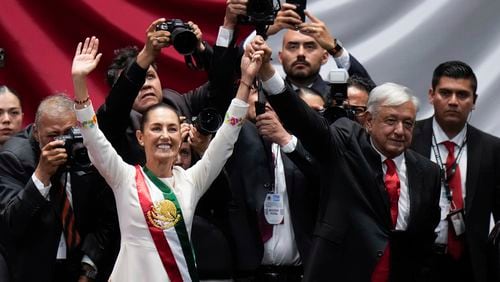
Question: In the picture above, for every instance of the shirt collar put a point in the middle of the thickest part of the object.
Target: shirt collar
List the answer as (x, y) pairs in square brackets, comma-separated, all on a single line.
[(397, 160), (441, 136)]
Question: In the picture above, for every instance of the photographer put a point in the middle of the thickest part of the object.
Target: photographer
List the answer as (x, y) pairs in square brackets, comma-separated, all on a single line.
[(136, 86), (61, 222), (306, 49)]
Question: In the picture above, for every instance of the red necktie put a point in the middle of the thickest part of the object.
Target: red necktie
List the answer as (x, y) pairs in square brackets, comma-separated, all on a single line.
[(455, 246), (392, 185), (68, 220)]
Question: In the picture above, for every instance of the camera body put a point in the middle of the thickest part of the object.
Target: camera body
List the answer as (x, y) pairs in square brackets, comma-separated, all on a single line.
[(207, 121), (301, 6), (78, 159), (260, 13), (337, 79), (181, 35)]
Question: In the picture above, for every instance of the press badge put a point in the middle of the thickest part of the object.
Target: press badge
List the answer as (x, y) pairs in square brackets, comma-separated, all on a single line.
[(456, 218), (274, 210)]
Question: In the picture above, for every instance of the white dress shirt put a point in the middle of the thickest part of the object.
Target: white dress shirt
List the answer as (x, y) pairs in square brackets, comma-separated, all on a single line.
[(444, 203)]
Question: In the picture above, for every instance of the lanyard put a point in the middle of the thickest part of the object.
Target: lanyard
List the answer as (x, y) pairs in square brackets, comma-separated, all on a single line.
[(447, 174)]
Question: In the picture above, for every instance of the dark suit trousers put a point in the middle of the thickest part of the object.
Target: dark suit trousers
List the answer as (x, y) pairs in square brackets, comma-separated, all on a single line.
[(4, 271), (446, 269)]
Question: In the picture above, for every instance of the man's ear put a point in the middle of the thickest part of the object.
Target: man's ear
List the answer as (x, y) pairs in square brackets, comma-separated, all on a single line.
[(139, 136), (430, 96), (325, 57), (35, 133), (369, 121), (474, 100), (279, 57)]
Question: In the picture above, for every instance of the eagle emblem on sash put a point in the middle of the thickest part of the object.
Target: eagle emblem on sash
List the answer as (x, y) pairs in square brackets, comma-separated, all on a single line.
[(163, 214)]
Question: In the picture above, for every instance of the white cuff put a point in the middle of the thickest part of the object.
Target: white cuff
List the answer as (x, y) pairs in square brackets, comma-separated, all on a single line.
[(88, 261), (290, 146), (274, 85), (44, 190), (343, 61), (224, 37), (249, 39)]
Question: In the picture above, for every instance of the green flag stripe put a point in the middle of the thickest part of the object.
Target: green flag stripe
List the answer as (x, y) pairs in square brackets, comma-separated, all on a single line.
[(180, 227)]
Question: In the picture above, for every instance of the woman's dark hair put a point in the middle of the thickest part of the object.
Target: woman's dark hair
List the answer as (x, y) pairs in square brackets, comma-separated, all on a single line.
[(5, 89), (124, 57), (145, 115)]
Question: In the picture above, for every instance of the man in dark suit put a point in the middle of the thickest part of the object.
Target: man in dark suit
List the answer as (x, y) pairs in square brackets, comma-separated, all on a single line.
[(260, 167), (379, 201), (474, 163), (59, 215), (304, 52)]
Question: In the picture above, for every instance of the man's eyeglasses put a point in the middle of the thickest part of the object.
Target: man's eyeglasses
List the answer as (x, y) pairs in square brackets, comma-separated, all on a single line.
[(357, 110)]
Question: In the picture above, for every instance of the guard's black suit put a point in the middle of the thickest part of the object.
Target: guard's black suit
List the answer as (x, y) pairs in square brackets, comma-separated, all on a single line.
[(354, 216), (482, 188), (33, 224), (251, 173)]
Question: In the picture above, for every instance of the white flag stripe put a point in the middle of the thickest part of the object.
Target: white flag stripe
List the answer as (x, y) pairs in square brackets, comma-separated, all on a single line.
[(170, 233), (175, 246)]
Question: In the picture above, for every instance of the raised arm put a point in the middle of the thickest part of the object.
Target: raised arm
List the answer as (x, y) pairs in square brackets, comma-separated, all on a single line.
[(221, 147), (103, 155), (305, 123)]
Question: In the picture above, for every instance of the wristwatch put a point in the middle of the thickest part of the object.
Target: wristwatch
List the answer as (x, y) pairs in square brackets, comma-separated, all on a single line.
[(337, 48), (88, 271)]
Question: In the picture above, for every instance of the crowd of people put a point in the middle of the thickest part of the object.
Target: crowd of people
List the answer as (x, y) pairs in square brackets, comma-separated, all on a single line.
[(295, 185)]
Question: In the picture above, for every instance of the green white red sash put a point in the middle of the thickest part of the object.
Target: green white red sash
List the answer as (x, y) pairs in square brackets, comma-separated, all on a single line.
[(167, 227)]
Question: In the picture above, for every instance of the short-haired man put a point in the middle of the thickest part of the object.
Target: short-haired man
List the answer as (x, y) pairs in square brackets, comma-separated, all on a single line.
[(358, 91), (469, 159), (305, 50), (60, 218), (11, 114), (379, 200)]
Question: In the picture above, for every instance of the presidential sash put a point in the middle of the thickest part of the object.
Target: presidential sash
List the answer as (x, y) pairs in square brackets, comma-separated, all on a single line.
[(167, 227)]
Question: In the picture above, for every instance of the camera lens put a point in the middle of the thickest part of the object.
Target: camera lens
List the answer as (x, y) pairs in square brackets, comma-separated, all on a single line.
[(208, 121), (184, 41)]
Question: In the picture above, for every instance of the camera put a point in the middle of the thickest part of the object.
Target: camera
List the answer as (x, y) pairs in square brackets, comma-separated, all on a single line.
[(207, 121), (337, 79), (301, 6), (260, 13), (78, 159), (181, 35)]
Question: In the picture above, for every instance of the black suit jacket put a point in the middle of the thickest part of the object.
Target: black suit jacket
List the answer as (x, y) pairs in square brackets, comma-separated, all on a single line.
[(33, 223), (354, 225), (482, 188), (251, 173)]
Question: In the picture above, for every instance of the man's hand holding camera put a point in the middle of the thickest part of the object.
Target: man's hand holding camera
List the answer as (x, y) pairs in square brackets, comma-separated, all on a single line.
[(234, 9), (155, 41), (52, 157), (287, 17), (199, 35), (318, 30)]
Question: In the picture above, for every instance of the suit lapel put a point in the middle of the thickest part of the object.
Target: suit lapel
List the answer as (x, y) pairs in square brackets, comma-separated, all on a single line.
[(379, 194), (415, 176), (474, 153), (422, 142)]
